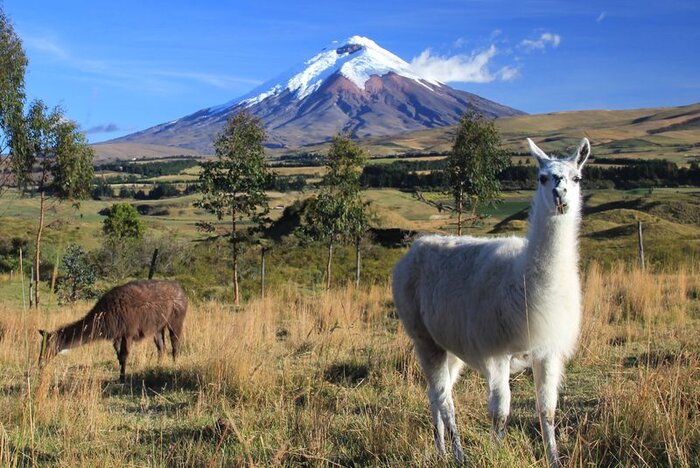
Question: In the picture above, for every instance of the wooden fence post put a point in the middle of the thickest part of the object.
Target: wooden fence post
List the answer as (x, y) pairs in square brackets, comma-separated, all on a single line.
[(641, 245), (152, 268), (31, 288), (263, 251), (21, 277)]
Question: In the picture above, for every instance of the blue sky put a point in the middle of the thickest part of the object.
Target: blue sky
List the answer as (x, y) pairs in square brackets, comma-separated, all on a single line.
[(119, 67)]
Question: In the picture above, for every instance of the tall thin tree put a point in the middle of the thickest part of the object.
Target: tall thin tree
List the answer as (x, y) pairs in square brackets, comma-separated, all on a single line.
[(233, 185), (473, 165), (13, 64), (58, 165)]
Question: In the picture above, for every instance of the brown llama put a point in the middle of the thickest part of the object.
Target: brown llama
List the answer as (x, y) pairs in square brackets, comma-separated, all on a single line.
[(125, 314)]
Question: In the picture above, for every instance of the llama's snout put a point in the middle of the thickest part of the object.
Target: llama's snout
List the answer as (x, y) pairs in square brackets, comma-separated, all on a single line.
[(559, 203)]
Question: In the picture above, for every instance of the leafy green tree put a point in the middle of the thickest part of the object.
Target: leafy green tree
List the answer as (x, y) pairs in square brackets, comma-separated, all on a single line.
[(473, 165), (233, 185), (122, 223), (337, 214), (78, 275), (58, 163), (13, 64)]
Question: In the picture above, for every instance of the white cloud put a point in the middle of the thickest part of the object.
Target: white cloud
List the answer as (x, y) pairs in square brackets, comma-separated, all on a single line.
[(508, 73), (545, 39), (601, 16), (457, 68)]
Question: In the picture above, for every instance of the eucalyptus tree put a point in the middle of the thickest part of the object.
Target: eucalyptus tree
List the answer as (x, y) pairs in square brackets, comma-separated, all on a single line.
[(233, 184), (57, 164), (473, 166), (338, 214), (13, 64)]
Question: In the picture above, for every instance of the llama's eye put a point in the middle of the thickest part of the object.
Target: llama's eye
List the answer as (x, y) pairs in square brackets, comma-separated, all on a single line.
[(543, 179), (576, 179)]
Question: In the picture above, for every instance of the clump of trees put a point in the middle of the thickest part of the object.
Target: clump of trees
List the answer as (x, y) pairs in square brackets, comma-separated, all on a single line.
[(338, 214)]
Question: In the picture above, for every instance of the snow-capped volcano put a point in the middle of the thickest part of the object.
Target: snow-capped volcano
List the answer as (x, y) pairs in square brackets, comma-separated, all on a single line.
[(357, 59), (354, 86)]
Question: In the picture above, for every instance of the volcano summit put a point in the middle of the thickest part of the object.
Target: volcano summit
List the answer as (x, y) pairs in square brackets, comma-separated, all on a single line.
[(354, 87)]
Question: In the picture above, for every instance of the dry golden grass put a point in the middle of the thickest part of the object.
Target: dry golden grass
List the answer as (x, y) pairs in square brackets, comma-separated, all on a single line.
[(331, 379)]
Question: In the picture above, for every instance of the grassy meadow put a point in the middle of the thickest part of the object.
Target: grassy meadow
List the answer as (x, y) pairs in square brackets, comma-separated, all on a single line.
[(330, 379)]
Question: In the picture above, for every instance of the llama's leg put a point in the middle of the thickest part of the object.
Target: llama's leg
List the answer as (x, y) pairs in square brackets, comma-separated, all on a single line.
[(175, 330), (498, 373), (123, 355), (548, 374), (117, 346), (159, 340), (435, 366)]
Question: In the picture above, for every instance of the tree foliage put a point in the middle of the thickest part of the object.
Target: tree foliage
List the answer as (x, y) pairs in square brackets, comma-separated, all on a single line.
[(338, 213), (13, 63), (473, 165), (58, 158), (122, 223), (233, 184)]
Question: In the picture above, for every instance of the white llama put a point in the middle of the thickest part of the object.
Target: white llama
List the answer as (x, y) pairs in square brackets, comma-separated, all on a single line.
[(499, 304)]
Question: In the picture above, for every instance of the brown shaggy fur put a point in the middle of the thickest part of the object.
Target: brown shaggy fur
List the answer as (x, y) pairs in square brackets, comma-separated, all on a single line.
[(125, 314)]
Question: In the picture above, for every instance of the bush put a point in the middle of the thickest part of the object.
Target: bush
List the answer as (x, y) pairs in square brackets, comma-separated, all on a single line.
[(78, 276)]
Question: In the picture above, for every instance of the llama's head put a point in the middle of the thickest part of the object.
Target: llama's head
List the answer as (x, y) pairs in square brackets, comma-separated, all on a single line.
[(51, 345), (559, 190)]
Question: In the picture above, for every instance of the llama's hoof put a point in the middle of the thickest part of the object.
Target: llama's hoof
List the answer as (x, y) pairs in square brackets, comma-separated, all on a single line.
[(498, 430)]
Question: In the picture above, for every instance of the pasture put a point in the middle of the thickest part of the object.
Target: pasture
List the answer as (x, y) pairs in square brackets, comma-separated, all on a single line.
[(330, 379)]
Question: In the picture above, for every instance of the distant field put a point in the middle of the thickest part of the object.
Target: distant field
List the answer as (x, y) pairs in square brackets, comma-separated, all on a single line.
[(671, 219), (672, 133)]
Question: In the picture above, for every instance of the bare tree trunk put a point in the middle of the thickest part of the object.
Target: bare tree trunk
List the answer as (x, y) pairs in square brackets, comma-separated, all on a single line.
[(460, 207), (234, 243), (39, 231), (358, 261), (328, 264)]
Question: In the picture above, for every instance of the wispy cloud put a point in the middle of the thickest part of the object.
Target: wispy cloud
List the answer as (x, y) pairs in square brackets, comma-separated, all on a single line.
[(106, 128), (474, 68), (546, 39), (601, 16), (132, 75), (509, 73)]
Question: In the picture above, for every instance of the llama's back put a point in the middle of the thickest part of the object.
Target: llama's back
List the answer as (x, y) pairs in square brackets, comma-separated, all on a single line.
[(140, 308), (446, 286)]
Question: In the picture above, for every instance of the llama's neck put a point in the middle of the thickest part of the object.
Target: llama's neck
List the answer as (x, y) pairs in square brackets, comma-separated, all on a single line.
[(552, 252), (80, 332)]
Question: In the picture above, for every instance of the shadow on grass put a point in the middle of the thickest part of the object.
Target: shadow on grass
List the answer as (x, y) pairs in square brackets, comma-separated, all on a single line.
[(194, 445), (661, 358), (347, 373), (155, 380), (26, 456)]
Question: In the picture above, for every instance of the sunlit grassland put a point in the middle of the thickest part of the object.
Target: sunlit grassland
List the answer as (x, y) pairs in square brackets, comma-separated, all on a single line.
[(330, 378)]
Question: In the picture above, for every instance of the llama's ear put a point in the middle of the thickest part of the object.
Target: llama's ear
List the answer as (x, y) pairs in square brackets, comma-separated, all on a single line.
[(42, 332), (537, 152), (582, 153)]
